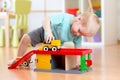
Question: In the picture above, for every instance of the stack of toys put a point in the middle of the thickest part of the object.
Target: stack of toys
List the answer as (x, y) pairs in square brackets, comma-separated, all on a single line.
[(96, 7)]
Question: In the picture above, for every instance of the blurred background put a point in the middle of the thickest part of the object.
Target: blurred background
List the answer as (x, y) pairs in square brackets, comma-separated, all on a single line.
[(20, 16), (107, 11)]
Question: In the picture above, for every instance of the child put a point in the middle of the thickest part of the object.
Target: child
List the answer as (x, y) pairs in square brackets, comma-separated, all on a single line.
[(64, 27)]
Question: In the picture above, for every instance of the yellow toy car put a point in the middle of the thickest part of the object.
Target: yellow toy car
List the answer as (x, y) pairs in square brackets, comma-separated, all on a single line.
[(54, 45)]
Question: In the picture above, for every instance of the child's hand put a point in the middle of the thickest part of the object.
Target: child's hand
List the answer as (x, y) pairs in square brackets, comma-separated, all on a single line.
[(49, 37)]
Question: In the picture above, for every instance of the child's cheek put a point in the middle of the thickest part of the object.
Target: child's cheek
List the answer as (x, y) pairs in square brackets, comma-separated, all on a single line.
[(74, 31)]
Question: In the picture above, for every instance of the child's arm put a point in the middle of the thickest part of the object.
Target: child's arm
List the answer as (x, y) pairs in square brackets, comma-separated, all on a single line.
[(47, 28)]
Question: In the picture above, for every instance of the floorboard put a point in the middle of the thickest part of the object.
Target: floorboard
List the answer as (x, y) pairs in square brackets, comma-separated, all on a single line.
[(106, 66)]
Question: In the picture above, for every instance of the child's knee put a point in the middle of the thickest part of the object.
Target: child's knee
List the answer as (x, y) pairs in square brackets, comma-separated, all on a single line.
[(26, 39)]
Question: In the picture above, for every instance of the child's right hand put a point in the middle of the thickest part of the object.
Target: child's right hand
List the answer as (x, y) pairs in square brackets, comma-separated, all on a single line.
[(49, 37)]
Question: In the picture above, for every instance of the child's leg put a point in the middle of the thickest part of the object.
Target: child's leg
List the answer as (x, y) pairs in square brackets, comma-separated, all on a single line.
[(23, 45), (21, 48), (34, 37)]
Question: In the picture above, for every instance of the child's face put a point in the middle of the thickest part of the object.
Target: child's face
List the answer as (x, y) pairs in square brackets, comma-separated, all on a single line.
[(79, 29), (85, 25)]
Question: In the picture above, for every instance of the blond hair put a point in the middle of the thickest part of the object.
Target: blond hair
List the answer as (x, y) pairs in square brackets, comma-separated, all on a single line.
[(91, 21)]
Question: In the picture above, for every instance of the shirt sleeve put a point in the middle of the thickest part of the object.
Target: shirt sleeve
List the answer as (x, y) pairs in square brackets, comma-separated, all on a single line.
[(57, 18), (77, 41)]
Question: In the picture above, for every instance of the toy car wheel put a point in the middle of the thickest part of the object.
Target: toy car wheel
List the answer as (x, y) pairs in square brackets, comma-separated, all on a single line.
[(25, 63), (54, 49), (45, 48)]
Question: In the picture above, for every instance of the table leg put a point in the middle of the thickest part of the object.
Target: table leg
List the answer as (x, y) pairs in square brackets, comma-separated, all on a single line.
[(7, 41), (83, 63)]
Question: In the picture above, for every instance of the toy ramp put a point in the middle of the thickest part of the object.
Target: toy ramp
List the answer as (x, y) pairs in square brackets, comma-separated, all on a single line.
[(25, 57)]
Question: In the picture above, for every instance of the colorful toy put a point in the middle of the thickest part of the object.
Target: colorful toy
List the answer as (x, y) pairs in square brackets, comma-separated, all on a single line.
[(54, 45), (55, 60), (72, 11), (96, 7)]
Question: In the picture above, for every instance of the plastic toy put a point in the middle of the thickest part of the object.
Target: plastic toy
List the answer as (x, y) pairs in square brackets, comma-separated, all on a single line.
[(44, 60), (54, 56), (54, 45)]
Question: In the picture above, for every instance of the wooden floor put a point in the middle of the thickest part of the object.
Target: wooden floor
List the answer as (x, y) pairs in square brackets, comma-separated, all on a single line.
[(106, 66)]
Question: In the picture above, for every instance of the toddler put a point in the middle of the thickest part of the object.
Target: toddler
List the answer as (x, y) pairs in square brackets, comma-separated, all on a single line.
[(62, 26)]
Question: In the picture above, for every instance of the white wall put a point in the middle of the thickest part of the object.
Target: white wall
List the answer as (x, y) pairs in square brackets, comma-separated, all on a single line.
[(110, 21), (36, 18), (119, 19), (71, 4)]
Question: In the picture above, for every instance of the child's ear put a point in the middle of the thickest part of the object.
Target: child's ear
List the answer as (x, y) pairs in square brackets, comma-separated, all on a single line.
[(79, 18)]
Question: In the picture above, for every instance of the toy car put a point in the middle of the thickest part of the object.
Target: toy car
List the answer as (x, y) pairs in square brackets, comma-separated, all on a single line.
[(54, 46)]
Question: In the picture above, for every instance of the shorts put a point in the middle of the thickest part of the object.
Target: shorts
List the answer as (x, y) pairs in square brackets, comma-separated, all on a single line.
[(37, 36)]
